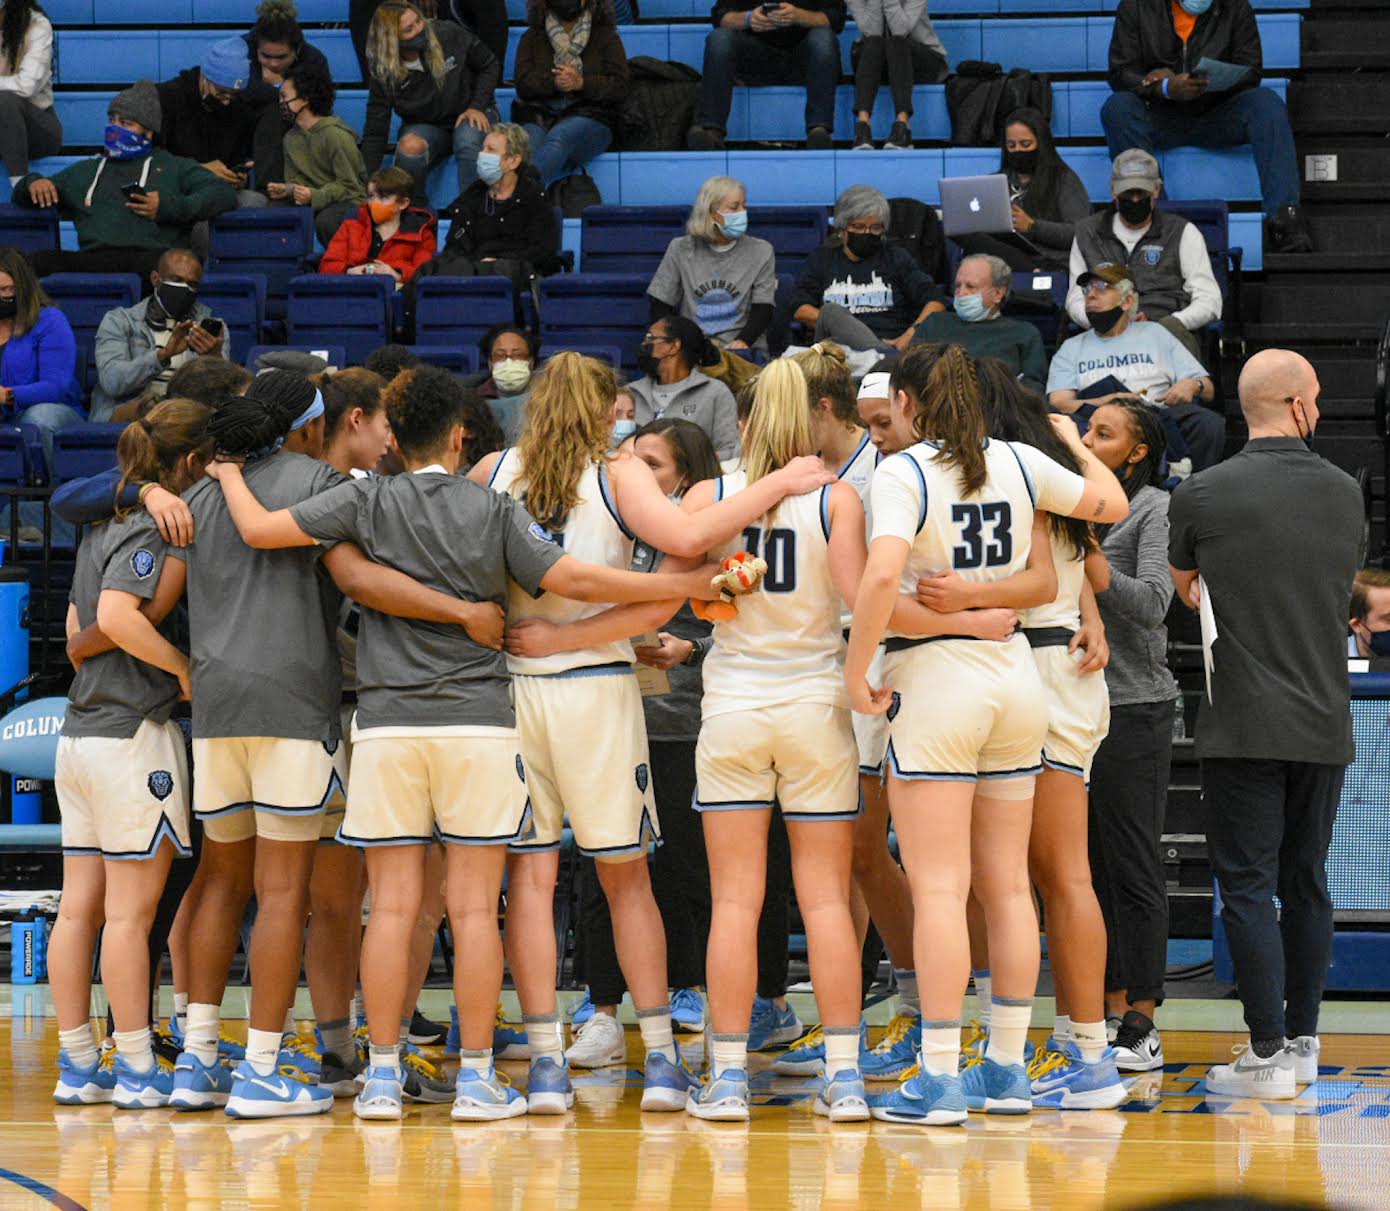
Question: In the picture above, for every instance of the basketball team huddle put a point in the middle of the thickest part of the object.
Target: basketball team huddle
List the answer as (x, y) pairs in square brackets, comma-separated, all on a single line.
[(923, 644)]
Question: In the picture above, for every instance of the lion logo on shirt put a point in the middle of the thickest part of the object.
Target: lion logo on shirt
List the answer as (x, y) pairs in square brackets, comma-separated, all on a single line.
[(161, 784), (142, 563)]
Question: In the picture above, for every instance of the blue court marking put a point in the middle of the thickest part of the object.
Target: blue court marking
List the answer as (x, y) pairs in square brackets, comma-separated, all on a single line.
[(34, 1186)]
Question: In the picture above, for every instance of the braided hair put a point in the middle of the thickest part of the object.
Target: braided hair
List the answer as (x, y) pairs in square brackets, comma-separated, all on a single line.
[(945, 388), (257, 422)]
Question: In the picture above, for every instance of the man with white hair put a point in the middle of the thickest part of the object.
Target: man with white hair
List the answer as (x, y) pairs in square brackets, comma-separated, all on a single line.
[(1275, 535), (982, 285), (1120, 357)]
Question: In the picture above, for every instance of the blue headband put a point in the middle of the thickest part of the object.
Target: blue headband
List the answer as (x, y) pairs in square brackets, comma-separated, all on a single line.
[(312, 412)]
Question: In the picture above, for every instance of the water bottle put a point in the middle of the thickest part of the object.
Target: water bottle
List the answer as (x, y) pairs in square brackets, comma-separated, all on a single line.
[(29, 948)]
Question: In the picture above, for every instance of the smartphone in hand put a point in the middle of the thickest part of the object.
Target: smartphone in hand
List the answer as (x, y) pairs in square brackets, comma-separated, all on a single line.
[(211, 325), (133, 192)]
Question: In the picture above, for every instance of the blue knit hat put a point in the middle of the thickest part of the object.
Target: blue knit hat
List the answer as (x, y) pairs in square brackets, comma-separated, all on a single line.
[(227, 64)]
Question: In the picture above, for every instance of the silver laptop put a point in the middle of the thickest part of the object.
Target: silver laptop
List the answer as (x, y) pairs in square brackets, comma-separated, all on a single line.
[(976, 204)]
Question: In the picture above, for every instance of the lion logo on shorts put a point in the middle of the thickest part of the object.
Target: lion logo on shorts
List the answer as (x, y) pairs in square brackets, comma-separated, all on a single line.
[(642, 778), (161, 784), (520, 768), (894, 706), (142, 563)]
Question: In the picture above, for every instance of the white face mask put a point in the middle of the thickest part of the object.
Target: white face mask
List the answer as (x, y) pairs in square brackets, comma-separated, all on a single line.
[(511, 375)]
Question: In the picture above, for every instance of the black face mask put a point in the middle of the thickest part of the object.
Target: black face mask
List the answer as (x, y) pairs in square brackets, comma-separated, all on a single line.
[(8, 308), (648, 365), (566, 10), (416, 44), (1104, 321), (1021, 161), (1135, 210), (175, 299), (1309, 435), (864, 244)]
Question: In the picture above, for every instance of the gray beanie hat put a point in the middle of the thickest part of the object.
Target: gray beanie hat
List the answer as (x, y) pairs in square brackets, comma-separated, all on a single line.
[(138, 103)]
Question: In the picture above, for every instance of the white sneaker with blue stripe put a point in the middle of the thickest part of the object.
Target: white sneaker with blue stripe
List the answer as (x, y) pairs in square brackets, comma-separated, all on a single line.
[(583, 1011), (897, 1050), (199, 1086), (772, 1027), (274, 1096), (995, 1088), (83, 1086), (807, 1056), (925, 1099), (381, 1096), (842, 1098), (721, 1099), (142, 1090), (1062, 1080), (485, 1097), (667, 1086), (548, 1088)]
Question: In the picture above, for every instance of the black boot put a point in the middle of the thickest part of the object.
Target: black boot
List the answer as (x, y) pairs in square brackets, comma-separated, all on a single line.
[(1287, 231)]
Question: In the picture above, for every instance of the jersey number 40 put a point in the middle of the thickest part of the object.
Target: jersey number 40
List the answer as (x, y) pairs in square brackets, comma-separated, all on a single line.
[(778, 547), (986, 534)]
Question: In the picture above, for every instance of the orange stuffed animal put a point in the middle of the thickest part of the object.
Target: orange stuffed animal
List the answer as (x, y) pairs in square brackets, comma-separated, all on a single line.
[(742, 573)]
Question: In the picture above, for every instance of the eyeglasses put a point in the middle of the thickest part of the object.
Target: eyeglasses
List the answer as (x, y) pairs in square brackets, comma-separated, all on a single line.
[(1097, 287), (865, 229), (652, 339)]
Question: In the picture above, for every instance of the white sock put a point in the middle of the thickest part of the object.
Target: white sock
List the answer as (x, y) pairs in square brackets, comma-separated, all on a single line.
[(200, 1032), (337, 1038), (479, 1061), (841, 1050), (545, 1034), (405, 1032), (941, 1048), (908, 995), (181, 1009), (1008, 1031), (135, 1048), (385, 1057), (982, 994), (355, 1012), (1061, 1028), (655, 1025), (80, 1044), (1090, 1038), (263, 1050), (727, 1052), (290, 1030)]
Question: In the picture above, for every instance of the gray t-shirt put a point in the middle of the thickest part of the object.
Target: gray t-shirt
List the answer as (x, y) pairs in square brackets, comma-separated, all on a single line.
[(113, 694), (264, 623), (715, 289), (453, 536), (1275, 532)]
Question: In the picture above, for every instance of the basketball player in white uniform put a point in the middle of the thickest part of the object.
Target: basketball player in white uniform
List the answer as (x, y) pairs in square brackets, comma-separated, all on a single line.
[(962, 764)]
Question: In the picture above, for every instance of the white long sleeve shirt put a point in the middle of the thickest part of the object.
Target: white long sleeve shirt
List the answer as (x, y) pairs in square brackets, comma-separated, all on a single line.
[(32, 76)]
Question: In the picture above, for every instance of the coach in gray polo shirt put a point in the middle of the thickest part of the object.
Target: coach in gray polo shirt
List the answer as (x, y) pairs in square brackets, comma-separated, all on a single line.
[(1275, 534)]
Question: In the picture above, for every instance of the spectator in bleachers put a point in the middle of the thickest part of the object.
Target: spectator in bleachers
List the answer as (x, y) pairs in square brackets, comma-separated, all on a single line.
[(29, 127), (899, 46), (38, 354), (509, 360), (138, 348), (323, 167), (206, 116), (571, 82), (440, 78), (1121, 357), (120, 231), (1165, 254), (778, 44), (858, 290), (717, 274), (673, 385), (982, 285), (273, 46), (486, 18), (1159, 101), (387, 235), (1048, 198), (1370, 617)]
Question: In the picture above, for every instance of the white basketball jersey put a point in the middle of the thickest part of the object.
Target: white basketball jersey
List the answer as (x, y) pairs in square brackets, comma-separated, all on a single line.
[(983, 536), (858, 472), (593, 532), (786, 644), (1065, 609)]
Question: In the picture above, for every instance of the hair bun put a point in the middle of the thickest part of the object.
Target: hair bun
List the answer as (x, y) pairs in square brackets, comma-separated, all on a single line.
[(278, 8)]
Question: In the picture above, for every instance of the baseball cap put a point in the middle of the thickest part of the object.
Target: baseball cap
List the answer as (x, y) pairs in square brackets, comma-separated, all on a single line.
[(1134, 169), (1111, 275)]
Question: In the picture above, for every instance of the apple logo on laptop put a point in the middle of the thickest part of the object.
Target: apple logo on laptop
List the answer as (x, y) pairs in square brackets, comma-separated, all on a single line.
[(975, 205)]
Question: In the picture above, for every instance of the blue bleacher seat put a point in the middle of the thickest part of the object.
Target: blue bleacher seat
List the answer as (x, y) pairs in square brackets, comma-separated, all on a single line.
[(595, 309), (275, 242), (458, 359), (238, 300), (83, 450), (335, 355), (352, 310), (29, 230), (85, 298), (459, 311), (1051, 285), (16, 455), (610, 354)]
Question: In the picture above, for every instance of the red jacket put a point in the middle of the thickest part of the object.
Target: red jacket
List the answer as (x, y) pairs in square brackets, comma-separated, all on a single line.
[(411, 246)]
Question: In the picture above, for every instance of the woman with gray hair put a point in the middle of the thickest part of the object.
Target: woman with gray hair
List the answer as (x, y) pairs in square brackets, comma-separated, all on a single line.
[(716, 274), (859, 290)]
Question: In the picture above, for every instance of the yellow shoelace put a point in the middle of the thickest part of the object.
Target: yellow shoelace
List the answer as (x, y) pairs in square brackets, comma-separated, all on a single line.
[(420, 1065), (978, 1035), (898, 1030), (1045, 1063), (815, 1037)]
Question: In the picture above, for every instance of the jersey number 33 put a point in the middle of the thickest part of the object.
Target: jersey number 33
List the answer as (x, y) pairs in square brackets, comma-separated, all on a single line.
[(986, 535)]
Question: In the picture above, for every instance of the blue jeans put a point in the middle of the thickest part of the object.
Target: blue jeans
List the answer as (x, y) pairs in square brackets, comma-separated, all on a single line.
[(1256, 116), (571, 143), (48, 419), (464, 141), (741, 54)]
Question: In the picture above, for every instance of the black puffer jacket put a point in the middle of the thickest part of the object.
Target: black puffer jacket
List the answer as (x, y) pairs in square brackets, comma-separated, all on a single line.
[(522, 228), (1145, 39)]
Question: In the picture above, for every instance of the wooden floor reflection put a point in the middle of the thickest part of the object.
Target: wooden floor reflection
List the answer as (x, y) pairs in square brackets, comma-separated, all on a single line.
[(1330, 1146)]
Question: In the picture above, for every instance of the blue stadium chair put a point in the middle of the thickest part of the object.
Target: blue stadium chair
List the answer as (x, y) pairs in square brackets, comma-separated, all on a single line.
[(458, 359), (459, 311), (609, 354), (276, 242), (1211, 216), (629, 239), (238, 300), (83, 450), (1041, 299), (29, 230), (17, 455), (335, 355), (85, 298), (595, 309), (352, 310)]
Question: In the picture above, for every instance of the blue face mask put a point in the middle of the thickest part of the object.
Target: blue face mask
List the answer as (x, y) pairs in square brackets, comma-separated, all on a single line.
[(734, 224), (1194, 8), (123, 144), (622, 430), (971, 307), (1380, 644), (490, 167)]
